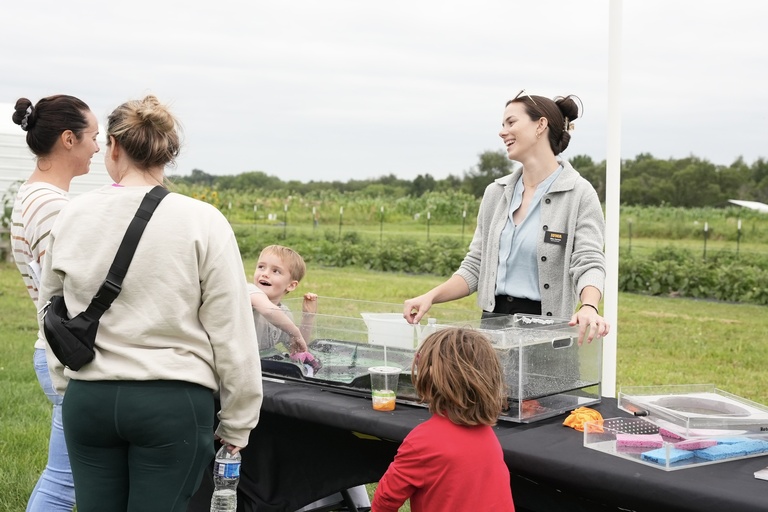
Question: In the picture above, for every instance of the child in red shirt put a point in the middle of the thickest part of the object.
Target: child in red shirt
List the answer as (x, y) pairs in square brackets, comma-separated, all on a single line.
[(453, 461)]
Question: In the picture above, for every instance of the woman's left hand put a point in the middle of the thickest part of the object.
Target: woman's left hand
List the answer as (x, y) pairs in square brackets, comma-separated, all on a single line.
[(590, 324)]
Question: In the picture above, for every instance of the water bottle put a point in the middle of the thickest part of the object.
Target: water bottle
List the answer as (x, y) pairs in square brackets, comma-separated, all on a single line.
[(428, 329), (226, 475)]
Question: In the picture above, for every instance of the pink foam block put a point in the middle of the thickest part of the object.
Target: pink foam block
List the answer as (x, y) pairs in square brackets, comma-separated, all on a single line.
[(668, 433), (639, 440), (695, 444)]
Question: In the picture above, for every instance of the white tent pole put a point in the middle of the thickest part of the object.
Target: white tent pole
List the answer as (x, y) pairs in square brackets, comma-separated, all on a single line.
[(612, 202)]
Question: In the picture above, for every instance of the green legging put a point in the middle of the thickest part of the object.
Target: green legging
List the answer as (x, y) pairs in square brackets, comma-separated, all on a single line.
[(137, 446)]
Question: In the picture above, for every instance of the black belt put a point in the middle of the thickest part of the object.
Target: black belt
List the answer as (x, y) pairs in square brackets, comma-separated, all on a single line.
[(506, 304), (519, 300)]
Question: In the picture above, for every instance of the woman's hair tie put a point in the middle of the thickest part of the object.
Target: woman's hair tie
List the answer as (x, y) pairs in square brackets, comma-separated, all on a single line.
[(25, 119)]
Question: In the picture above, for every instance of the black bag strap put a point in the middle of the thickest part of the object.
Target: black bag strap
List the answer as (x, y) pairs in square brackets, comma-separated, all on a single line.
[(112, 285)]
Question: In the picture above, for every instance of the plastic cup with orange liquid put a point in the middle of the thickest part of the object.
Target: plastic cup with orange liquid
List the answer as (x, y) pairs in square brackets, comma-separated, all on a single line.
[(384, 381)]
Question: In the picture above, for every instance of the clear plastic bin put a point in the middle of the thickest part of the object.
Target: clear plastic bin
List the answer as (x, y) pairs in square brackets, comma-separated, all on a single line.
[(545, 369)]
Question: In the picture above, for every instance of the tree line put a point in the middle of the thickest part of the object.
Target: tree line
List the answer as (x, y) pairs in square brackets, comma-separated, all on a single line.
[(645, 181)]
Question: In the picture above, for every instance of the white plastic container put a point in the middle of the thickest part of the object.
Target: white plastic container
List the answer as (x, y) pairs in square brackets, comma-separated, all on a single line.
[(390, 329)]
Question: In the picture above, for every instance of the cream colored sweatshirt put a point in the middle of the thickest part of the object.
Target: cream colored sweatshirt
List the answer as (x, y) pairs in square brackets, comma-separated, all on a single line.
[(183, 313)]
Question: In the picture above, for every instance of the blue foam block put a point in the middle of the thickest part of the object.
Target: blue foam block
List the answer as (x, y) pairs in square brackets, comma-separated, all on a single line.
[(659, 455), (721, 451), (752, 446)]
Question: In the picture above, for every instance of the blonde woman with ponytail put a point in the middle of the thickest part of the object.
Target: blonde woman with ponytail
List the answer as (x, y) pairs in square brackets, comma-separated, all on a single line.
[(138, 419)]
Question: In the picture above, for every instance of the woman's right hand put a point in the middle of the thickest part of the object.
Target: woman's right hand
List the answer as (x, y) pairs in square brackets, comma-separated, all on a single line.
[(230, 447), (414, 309), (454, 288)]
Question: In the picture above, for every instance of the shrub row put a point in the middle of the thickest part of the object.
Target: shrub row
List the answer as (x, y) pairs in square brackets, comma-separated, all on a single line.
[(440, 256), (667, 271), (724, 277)]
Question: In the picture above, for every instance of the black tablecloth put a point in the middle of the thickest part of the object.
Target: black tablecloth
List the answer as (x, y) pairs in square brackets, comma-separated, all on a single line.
[(313, 441)]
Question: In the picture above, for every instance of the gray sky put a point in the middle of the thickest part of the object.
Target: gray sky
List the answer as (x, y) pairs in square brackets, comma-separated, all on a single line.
[(343, 89)]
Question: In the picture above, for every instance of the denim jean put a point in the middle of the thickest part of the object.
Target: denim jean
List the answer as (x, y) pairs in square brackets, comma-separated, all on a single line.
[(55, 489)]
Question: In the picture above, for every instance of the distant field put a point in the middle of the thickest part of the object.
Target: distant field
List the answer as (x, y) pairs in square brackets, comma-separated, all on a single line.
[(642, 246)]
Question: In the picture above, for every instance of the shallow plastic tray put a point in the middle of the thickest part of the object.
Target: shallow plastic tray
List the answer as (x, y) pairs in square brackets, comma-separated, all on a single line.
[(642, 441)]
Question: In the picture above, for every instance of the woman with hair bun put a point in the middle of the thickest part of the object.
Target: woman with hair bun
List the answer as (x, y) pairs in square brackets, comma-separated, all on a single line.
[(538, 245), (61, 133), (138, 418)]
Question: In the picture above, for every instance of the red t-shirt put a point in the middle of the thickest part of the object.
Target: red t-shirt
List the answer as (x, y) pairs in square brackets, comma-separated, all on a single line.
[(444, 466)]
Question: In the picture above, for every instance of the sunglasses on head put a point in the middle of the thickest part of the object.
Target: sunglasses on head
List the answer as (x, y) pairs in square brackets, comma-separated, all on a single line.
[(521, 93)]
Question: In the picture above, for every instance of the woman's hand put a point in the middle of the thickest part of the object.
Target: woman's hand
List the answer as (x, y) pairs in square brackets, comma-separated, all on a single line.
[(414, 309), (590, 323), (454, 288), (232, 448)]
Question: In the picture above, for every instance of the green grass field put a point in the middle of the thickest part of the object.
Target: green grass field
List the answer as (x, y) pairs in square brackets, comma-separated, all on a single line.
[(660, 341)]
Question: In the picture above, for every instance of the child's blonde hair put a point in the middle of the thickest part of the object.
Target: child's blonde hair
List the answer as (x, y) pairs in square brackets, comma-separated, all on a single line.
[(290, 258), (457, 372)]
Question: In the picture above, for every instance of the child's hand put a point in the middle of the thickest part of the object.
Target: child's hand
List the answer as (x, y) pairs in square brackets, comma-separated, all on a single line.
[(298, 344), (310, 303)]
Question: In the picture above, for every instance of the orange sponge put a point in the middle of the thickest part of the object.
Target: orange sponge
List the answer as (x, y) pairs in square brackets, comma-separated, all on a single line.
[(579, 416)]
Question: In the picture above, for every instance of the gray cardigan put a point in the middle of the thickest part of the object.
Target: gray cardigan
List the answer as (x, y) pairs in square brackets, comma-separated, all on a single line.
[(571, 207)]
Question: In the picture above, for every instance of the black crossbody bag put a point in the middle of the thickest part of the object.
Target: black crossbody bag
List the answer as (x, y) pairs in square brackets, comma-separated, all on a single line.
[(72, 340)]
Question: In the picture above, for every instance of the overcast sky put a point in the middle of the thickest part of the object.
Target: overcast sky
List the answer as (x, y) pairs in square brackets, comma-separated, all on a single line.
[(342, 89)]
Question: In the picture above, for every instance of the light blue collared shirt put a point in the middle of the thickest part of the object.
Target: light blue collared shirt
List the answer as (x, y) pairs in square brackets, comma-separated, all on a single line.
[(518, 272)]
